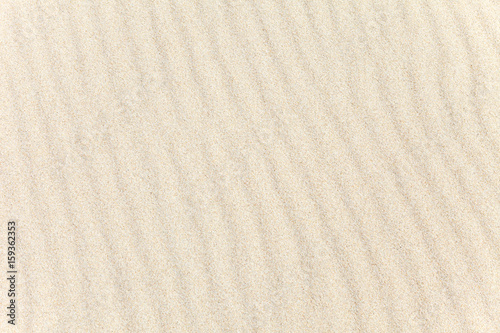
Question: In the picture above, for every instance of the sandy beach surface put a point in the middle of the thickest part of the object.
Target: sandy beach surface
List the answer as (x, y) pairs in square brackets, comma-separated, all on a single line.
[(249, 166)]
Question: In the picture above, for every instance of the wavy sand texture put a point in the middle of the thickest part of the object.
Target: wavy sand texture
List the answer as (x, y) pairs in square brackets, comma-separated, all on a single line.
[(251, 165)]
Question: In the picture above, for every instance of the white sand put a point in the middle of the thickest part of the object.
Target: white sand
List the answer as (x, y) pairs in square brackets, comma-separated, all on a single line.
[(251, 165)]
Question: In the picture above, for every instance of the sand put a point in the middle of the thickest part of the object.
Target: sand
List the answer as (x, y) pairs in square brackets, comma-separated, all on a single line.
[(250, 165)]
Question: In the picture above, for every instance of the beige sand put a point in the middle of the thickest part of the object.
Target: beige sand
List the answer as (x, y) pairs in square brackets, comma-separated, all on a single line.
[(251, 165)]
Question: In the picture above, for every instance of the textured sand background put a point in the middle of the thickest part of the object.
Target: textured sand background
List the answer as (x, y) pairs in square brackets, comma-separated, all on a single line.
[(251, 166)]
